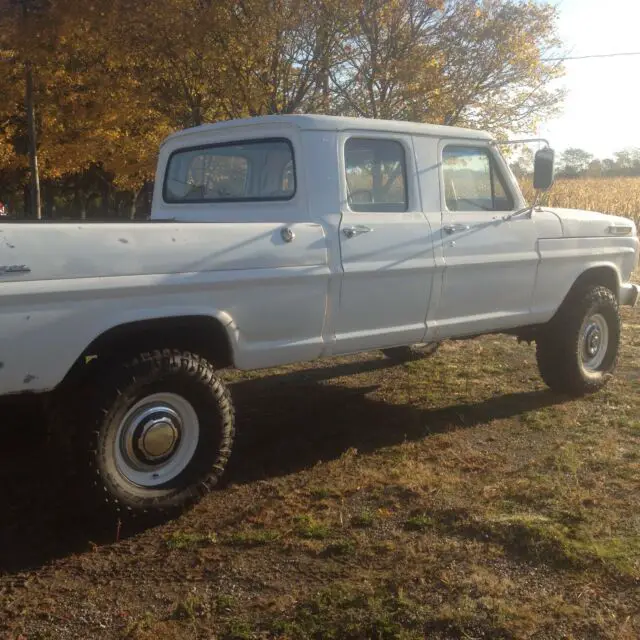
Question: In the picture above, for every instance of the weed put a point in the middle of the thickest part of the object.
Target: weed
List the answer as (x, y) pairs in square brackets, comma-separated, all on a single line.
[(224, 603), (365, 518), (140, 627), (238, 630), (419, 522), (183, 540), (344, 611), (251, 538), (322, 493), (307, 527), (339, 548), (189, 609)]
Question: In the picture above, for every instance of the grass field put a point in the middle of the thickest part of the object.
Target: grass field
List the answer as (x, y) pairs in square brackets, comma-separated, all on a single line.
[(454, 497), (620, 196)]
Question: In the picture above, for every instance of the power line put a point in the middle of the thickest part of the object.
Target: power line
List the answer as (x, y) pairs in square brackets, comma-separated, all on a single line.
[(595, 55)]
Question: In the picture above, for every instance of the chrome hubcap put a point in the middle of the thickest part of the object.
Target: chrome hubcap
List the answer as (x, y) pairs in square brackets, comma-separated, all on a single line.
[(156, 439), (595, 341)]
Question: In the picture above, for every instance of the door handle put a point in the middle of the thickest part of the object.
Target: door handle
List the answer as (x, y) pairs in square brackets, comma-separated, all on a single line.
[(454, 228), (356, 230)]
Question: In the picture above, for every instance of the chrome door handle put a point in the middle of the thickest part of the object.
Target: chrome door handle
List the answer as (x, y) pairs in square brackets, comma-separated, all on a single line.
[(287, 234), (454, 228), (356, 230)]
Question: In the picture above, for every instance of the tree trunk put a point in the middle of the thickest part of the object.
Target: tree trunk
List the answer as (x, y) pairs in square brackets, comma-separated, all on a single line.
[(106, 199), (81, 203), (49, 202), (134, 202), (26, 200)]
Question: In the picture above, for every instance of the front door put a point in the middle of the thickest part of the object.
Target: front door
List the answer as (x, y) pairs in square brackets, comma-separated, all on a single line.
[(386, 244), (490, 261)]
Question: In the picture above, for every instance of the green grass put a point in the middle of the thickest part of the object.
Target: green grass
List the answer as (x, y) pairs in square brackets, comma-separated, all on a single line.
[(251, 537), (186, 540), (419, 522), (305, 526), (363, 519)]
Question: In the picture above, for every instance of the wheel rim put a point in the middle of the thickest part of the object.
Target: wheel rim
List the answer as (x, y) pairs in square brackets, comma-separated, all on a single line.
[(156, 439), (594, 342)]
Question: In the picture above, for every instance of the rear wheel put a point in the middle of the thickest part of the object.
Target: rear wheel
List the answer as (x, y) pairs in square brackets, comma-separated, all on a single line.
[(157, 431), (578, 351)]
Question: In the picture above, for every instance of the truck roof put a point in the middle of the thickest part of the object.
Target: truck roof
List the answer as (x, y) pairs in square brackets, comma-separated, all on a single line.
[(337, 123)]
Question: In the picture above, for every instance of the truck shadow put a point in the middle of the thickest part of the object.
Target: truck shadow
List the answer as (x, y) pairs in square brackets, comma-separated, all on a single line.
[(286, 423)]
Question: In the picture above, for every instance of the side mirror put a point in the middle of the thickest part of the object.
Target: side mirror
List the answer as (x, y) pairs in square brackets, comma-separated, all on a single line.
[(543, 169)]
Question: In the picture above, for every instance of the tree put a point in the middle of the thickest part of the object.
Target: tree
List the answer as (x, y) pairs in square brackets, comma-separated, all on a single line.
[(523, 164), (628, 161), (387, 65), (456, 62), (22, 23), (576, 161), (595, 168)]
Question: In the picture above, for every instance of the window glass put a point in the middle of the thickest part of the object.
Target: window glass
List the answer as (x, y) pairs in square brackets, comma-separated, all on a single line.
[(376, 175), (260, 170), (472, 181)]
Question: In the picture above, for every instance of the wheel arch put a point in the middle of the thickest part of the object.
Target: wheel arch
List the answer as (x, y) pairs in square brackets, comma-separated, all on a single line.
[(605, 275), (211, 336)]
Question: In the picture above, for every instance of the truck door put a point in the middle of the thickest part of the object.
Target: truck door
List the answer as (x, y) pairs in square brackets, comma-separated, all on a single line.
[(490, 262), (386, 244)]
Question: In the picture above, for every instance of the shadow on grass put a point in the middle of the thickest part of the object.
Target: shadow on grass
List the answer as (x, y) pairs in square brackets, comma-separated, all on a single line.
[(285, 423)]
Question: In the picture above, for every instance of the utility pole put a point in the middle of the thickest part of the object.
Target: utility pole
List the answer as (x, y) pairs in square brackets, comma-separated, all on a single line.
[(36, 209)]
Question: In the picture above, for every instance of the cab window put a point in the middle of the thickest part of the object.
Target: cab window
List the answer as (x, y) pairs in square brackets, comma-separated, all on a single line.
[(232, 172), (376, 175), (472, 181)]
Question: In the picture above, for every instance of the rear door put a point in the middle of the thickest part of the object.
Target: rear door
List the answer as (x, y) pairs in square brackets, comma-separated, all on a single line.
[(386, 244), (490, 261)]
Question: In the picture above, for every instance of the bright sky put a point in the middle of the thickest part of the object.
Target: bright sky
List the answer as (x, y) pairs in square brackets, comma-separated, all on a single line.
[(602, 109)]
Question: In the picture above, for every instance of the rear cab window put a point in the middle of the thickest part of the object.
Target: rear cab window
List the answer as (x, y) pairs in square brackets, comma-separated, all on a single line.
[(473, 180), (243, 171), (376, 175)]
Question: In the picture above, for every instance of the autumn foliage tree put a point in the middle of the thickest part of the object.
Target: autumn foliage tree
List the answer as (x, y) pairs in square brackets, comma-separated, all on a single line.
[(113, 78)]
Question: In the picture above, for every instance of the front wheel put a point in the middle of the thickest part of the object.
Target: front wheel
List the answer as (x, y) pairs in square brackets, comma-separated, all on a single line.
[(578, 352), (161, 428)]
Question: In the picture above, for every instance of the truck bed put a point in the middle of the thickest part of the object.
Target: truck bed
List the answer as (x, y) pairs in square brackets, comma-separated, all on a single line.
[(64, 284)]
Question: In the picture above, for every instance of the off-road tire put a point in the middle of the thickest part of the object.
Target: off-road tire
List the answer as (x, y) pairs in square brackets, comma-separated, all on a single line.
[(111, 391), (559, 346), (410, 353)]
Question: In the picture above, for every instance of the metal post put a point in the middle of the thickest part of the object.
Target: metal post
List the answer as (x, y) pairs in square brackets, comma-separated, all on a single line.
[(36, 208)]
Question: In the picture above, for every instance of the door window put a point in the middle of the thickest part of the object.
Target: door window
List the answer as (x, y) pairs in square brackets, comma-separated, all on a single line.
[(472, 181), (376, 175)]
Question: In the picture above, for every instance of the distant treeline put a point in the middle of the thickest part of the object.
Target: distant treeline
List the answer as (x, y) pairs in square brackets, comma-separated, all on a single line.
[(577, 163)]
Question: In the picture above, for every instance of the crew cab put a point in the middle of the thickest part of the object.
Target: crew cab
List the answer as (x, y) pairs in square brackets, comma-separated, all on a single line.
[(282, 239)]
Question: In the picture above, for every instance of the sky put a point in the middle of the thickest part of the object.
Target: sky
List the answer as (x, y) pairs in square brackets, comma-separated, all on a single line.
[(601, 113)]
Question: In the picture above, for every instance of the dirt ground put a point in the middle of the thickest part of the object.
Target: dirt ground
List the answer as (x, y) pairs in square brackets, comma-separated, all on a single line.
[(453, 497)]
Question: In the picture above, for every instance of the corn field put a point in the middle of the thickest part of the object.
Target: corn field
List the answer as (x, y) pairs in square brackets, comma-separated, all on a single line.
[(619, 196)]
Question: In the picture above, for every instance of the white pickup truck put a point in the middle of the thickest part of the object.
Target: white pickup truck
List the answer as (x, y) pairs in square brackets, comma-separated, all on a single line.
[(289, 238)]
